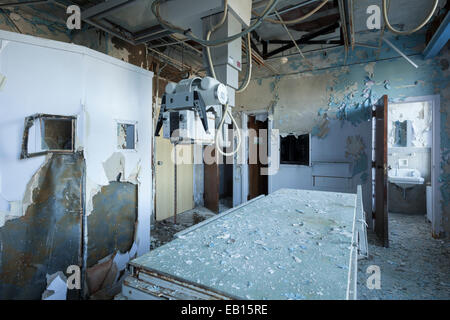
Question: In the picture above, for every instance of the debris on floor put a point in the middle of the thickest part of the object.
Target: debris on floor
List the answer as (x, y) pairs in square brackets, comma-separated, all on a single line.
[(163, 231), (415, 266), (265, 249)]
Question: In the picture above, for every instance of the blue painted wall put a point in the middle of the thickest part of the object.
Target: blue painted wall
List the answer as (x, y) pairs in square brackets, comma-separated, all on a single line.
[(344, 90)]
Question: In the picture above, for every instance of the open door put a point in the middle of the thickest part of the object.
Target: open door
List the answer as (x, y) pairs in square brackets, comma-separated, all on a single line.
[(381, 171), (258, 183), (211, 181)]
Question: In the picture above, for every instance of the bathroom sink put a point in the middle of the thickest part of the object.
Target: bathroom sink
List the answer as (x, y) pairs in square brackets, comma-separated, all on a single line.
[(405, 178)]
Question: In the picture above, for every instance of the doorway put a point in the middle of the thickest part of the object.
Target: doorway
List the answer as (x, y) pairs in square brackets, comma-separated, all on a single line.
[(406, 161), (257, 161), (413, 151), (174, 182), (218, 179)]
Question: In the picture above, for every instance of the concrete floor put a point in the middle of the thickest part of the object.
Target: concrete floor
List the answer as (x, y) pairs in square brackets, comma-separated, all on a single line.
[(415, 266)]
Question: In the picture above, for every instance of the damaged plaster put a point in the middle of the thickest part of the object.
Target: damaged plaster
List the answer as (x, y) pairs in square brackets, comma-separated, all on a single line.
[(50, 230), (420, 116), (112, 223), (356, 152)]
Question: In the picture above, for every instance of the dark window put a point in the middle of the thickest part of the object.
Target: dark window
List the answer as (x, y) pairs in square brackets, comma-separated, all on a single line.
[(56, 134), (48, 134), (295, 150)]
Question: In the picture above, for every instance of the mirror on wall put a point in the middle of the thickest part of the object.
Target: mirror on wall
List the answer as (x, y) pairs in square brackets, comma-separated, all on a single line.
[(409, 125), (401, 133)]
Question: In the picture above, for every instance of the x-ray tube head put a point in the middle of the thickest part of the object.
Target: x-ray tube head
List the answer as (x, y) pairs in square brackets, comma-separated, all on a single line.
[(189, 100)]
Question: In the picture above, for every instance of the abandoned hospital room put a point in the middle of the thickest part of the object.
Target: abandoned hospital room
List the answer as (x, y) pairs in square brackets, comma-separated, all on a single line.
[(224, 150)]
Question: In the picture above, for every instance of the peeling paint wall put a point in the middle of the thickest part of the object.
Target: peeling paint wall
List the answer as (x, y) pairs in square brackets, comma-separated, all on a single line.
[(48, 238), (343, 92), (419, 116), (62, 79), (113, 221)]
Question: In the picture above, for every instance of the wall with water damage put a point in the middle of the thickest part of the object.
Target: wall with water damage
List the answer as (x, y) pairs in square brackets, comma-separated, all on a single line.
[(339, 92), (46, 25), (95, 203)]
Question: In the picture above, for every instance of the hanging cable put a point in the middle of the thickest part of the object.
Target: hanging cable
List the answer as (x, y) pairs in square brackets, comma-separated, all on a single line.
[(294, 21), (211, 43), (228, 112), (248, 75), (241, 89), (420, 26), (219, 132), (208, 35)]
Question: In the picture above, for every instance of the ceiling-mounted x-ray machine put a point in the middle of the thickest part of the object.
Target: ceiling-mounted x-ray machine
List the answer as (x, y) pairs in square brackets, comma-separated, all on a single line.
[(197, 110)]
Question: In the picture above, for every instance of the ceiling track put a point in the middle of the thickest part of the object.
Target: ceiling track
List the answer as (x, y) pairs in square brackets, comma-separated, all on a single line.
[(303, 40)]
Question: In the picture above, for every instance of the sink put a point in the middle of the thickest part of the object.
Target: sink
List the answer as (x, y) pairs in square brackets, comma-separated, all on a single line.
[(405, 178)]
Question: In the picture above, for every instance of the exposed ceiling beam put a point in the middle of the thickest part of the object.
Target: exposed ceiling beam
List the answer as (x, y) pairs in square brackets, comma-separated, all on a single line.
[(153, 36), (303, 39), (148, 31)]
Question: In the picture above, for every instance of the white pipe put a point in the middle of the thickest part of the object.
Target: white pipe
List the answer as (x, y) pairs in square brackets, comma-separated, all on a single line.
[(399, 52), (293, 40), (246, 82)]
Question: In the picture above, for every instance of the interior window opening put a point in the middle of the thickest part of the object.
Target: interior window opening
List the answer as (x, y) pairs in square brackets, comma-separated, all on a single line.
[(45, 133), (295, 149)]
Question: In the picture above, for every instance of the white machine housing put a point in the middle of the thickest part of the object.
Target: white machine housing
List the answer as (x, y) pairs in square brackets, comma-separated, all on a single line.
[(179, 95), (190, 128), (184, 105)]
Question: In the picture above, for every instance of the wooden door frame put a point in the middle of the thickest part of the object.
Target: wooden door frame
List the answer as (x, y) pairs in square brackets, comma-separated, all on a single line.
[(381, 226), (207, 190), (245, 172), (241, 169)]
